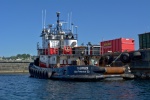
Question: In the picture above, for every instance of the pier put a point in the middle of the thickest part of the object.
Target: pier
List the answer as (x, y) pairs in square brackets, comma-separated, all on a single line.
[(14, 66)]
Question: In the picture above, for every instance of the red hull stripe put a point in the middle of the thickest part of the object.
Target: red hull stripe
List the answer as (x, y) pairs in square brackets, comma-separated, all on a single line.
[(42, 64)]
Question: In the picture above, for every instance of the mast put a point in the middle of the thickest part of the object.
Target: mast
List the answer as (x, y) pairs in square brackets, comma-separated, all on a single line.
[(59, 31), (58, 22)]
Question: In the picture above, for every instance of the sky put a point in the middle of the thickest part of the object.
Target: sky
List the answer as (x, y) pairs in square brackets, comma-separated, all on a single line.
[(97, 20)]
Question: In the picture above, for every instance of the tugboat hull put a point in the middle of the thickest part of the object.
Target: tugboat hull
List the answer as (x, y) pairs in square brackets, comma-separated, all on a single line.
[(77, 73)]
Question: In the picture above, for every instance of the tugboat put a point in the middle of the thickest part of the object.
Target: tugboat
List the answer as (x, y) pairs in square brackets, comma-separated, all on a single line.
[(60, 58)]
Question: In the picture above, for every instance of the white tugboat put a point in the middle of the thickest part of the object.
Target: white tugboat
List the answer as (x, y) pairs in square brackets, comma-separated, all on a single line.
[(61, 58)]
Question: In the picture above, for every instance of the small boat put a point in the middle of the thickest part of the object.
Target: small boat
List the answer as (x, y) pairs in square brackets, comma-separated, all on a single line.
[(60, 58)]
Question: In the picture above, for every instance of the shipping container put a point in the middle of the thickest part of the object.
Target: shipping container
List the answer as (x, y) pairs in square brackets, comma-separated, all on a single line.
[(144, 40), (117, 45)]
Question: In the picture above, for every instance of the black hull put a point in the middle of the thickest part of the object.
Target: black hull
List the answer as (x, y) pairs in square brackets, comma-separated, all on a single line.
[(51, 73), (38, 72)]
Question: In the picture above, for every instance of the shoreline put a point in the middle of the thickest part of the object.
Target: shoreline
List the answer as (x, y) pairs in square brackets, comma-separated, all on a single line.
[(21, 71)]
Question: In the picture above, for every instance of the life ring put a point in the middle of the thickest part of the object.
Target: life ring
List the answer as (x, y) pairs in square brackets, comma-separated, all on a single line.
[(125, 57), (67, 49)]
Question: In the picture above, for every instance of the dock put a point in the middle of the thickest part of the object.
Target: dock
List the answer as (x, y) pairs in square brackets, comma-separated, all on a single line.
[(14, 66)]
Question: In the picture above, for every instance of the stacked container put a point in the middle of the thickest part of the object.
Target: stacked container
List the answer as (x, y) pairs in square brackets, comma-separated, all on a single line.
[(144, 40)]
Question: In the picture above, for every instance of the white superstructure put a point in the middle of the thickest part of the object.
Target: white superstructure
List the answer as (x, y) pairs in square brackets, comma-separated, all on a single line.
[(55, 43)]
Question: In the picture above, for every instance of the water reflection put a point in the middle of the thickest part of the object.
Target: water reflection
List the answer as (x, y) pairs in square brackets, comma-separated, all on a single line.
[(21, 87)]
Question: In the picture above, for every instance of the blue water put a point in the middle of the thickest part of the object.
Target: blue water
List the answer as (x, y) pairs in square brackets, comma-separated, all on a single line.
[(22, 87)]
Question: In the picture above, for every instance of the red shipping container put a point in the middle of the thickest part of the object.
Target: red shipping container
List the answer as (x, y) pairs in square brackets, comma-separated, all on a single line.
[(117, 45)]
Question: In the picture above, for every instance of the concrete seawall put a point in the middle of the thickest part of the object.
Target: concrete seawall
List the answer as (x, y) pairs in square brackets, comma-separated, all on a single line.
[(14, 67)]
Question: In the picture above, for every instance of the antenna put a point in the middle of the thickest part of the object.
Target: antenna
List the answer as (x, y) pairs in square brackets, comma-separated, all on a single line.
[(72, 27), (45, 19), (70, 20), (42, 19), (76, 28)]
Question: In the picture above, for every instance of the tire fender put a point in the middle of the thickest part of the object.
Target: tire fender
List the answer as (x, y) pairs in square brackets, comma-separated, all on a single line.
[(125, 57)]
